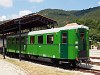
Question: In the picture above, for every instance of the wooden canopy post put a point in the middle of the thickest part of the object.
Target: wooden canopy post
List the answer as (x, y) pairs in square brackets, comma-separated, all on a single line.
[(19, 40), (3, 44)]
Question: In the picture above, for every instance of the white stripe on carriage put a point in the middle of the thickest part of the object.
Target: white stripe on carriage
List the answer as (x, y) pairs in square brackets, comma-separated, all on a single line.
[(53, 30)]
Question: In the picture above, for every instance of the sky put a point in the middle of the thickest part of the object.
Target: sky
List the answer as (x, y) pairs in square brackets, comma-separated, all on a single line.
[(11, 9)]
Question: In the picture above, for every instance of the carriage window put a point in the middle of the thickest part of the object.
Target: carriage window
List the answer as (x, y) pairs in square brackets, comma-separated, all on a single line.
[(82, 35), (8, 40), (50, 39), (32, 39), (40, 39), (17, 39), (13, 41), (26, 40), (64, 37), (22, 40)]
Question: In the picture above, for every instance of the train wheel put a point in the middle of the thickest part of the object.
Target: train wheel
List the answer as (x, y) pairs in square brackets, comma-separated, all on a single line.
[(55, 61), (74, 64), (26, 57)]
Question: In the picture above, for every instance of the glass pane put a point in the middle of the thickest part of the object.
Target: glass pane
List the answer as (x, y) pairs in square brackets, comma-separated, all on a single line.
[(13, 41), (50, 39), (17, 40), (40, 39), (82, 35), (32, 40), (22, 40), (64, 37)]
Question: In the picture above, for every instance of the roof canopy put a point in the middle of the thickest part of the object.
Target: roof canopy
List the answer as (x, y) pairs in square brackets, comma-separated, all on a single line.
[(26, 22)]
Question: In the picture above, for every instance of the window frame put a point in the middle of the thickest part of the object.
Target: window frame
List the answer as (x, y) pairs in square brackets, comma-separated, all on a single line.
[(22, 40), (62, 38), (47, 38), (9, 40), (33, 40), (13, 40), (17, 40), (38, 39)]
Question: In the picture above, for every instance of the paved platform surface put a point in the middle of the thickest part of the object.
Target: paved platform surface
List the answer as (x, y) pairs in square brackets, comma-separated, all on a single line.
[(94, 53), (7, 68)]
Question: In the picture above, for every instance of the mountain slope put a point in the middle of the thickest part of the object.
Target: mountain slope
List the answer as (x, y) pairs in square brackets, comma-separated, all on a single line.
[(89, 17), (63, 17)]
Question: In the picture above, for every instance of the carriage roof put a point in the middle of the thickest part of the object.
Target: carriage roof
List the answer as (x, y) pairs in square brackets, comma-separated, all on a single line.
[(53, 30)]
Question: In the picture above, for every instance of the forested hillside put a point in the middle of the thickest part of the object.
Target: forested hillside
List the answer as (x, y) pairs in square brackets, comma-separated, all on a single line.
[(61, 16), (89, 17)]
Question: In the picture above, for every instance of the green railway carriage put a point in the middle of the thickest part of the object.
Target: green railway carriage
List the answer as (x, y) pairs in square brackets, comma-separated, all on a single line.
[(69, 43)]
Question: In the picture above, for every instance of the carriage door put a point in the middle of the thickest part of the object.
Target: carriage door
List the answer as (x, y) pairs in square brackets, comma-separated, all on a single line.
[(82, 43), (64, 44)]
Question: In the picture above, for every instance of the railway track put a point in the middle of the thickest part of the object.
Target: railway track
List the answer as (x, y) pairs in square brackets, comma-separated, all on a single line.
[(93, 71), (94, 63), (89, 70), (67, 67), (95, 57)]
